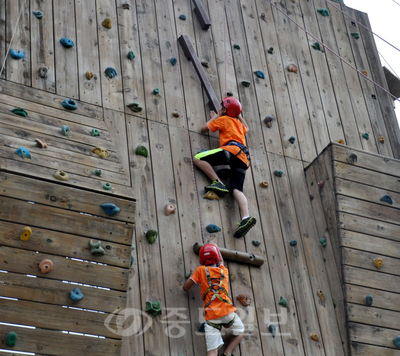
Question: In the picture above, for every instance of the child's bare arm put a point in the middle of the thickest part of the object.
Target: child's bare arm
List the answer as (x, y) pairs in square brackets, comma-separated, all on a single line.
[(214, 116), (243, 122), (188, 284)]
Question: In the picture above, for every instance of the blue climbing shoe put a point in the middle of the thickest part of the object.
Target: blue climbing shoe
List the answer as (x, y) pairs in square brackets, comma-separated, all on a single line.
[(217, 187), (244, 226)]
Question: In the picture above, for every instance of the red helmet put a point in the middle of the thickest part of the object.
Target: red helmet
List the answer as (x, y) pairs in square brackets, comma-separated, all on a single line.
[(209, 254), (232, 105)]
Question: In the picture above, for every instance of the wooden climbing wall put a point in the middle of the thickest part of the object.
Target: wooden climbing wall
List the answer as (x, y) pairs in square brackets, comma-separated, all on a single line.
[(365, 231), (324, 102)]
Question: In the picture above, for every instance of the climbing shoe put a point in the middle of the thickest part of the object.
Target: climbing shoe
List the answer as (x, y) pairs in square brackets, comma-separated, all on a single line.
[(244, 226), (217, 187)]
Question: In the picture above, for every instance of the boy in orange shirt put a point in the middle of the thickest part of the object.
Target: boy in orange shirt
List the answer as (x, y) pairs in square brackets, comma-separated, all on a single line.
[(219, 311), (233, 152)]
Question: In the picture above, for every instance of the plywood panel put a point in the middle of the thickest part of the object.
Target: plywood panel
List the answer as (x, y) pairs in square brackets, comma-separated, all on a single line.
[(373, 335), (367, 350)]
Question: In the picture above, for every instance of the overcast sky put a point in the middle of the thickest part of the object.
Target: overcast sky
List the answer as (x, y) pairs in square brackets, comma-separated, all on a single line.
[(384, 16)]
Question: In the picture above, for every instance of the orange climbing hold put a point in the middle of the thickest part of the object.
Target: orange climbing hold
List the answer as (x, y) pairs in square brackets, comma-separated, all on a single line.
[(244, 299), (41, 143), (365, 73), (321, 183), (381, 139), (292, 68), (378, 263), (46, 266), (340, 141), (169, 209), (211, 196)]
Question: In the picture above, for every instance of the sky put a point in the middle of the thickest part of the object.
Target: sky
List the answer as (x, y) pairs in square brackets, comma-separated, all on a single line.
[(384, 18)]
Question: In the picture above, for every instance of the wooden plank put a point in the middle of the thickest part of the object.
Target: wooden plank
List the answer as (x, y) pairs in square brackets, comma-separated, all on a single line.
[(68, 221), (109, 56), (55, 292), (88, 52), (382, 299), (3, 47), (18, 71), (26, 262), (372, 335), (32, 340), (56, 317), (201, 14), (370, 350), (42, 50), (65, 58)]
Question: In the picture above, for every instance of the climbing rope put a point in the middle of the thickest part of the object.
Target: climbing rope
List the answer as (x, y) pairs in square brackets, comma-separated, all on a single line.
[(388, 64), (187, 125), (225, 50), (12, 37), (333, 52), (396, 2)]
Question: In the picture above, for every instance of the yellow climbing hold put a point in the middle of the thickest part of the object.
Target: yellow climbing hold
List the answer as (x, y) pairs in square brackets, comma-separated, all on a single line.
[(211, 196), (381, 139), (264, 184), (365, 73), (61, 175), (25, 233), (89, 74), (314, 337), (340, 141), (320, 294), (102, 152), (378, 263), (107, 23)]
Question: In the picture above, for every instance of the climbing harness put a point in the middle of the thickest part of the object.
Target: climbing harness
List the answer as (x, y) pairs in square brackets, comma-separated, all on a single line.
[(215, 291), (219, 326), (242, 147)]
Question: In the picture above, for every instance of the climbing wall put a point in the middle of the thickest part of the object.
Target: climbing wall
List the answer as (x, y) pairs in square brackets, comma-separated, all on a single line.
[(357, 196), (132, 82)]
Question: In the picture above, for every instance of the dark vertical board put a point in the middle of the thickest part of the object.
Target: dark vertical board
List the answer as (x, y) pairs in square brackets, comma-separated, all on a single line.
[(3, 47)]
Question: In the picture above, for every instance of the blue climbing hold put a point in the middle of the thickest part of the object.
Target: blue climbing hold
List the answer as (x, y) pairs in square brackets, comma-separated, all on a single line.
[(110, 209), (293, 242), (396, 341), (70, 104), (173, 61), (132, 260), (212, 228), (323, 12), (278, 173), (323, 242), (110, 72), (65, 130), (23, 152), (38, 14), (66, 42), (17, 54), (76, 295), (366, 136), (182, 17), (259, 74), (202, 328), (369, 300), (387, 199)]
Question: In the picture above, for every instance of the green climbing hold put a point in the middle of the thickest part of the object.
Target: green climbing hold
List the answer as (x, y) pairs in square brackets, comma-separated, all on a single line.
[(366, 136), (292, 139), (212, 228), (107, 186), (133, 247), (246, 83), (323, 12), (132, 260), (151, 236), (278, 173), (70, 104), (387, 199), (20, 112), (236, 46), (141, 151), (396, 341), (11, 339), (38, 14), (272, 330), (97, 172), (188, 275), (65, 130), (96, 249), (271, 50), (156, 91), (283, 302), (356, 35), (153, 308), (293, 242), (323, 242), (131, 55), (95, 132), (135, 107), (256, 243), (369, 300), (317, 46), (110, 72)]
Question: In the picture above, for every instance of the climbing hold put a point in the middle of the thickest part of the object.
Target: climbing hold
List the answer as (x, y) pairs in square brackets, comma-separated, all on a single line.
[(244, 299), (156, 91), (61, 175), (381, 139), (126, 6), (229, 93), (135, 107), (151, 235), (131, 55), (323, 242), (271, 50), (153, 308), (292, 68), (264, 184), (95, 132), (43, 71), (141, 151), (323, 12), (110, 209), (246, 83), (173, 61), (321, 183), (256, 243), (202, 328), (211, 196), (46, 266), (20, 112), (356, 35), (96, 249), (17, 54), (175, 114), (293, 242), (272, 330), (366, 136), (102, 152), (396, 341), (314, 337), (320, 294), (373, 96), (110, 72), (169, 209), (352, 158), (205, 64), (369, 300), (283, 302), (97, 172), (70, 104), (292, 139), (268, 120), (23, 152), (38, 14), (340, 141), (316, 46), (26, 233), (259, 74), (365, 73), (66, 42), (76, 295), (212, 228), (353, 23), (89, 74), (11, 339), (387, 199), (236, 46), (132, 260), (107, 23), (378, 262), (263, 17), (182, 17), (65, 130), (278, 173), (107, 186), (133, 247)]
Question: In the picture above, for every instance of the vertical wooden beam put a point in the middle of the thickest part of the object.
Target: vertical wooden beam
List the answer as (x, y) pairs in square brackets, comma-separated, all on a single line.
[(3, 47), (201, 14)]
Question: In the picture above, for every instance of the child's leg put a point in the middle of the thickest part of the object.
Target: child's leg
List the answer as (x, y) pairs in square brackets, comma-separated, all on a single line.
[(213, 352), (233, 342), (206, 168), (242, 202), (237, 329)]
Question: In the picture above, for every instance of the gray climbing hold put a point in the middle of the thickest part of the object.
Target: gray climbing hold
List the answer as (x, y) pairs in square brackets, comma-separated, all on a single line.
[(38, 14), (23, 152), (212, 228), (387, 199), (43, 71), (272, 330), (256, 243), (293, 242), (369, 300), (110, 72)]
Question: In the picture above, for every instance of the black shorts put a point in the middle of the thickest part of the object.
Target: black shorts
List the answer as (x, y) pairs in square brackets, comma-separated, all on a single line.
[(219, 157)]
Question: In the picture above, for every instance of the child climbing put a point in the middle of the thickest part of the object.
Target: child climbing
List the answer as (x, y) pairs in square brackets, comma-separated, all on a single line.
[(233, 152), (213, 277)]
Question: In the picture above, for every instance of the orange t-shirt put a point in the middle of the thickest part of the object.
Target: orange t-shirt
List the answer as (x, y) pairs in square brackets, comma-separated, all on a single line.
[(230, 129), (217, 308)]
